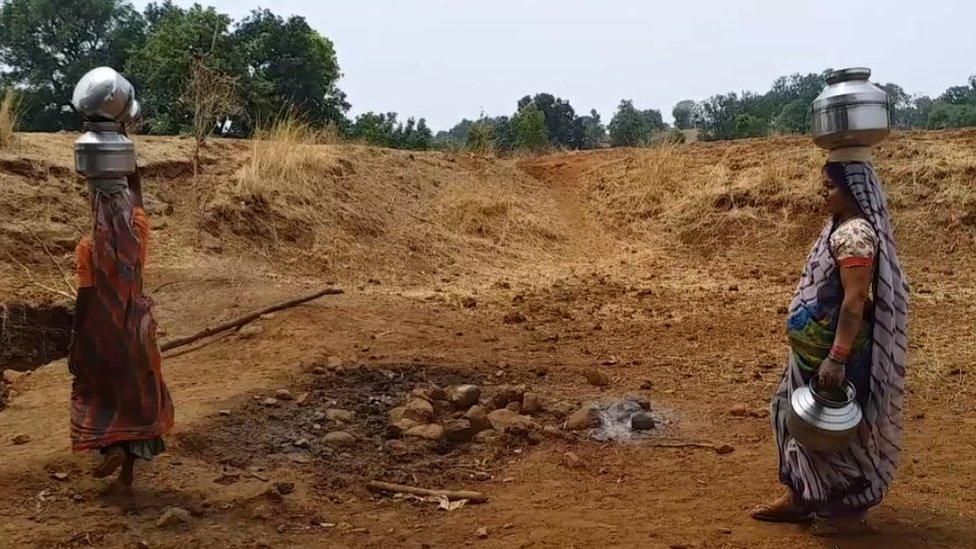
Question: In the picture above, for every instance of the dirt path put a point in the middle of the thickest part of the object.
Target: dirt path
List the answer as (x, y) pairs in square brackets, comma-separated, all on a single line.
[(696, 336)]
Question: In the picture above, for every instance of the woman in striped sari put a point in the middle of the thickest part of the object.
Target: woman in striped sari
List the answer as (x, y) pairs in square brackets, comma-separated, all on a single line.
[(847, 320)]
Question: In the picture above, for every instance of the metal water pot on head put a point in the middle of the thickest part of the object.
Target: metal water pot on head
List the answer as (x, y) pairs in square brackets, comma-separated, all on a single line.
[(107, 101), (825, 421), (850, 111)]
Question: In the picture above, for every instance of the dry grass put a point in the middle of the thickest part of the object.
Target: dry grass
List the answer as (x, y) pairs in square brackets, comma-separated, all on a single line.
[(723, 193), (8, 117), (341, 207)]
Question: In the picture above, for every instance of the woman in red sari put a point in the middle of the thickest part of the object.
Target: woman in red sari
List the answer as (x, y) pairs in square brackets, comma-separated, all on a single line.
[(119, 403)]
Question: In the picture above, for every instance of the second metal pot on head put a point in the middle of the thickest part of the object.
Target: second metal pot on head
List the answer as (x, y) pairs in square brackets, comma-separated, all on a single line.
[(850, 111), (825, 421)]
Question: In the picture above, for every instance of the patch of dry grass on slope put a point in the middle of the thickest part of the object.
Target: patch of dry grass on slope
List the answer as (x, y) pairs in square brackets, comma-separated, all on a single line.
[(338, 207), (716, 194)]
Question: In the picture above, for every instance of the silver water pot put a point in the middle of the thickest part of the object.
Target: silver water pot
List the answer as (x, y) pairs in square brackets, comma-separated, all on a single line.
[(104, 94), (825, 421), (850, 111), (103, 152)]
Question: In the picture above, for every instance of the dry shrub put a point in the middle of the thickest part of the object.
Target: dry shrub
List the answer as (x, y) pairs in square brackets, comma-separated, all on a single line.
[(8, 117)]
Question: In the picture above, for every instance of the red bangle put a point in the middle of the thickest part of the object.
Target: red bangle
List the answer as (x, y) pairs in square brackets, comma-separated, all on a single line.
[(839, 352)]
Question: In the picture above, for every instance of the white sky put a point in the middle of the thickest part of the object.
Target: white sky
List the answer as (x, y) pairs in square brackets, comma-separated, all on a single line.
[(448, 59)]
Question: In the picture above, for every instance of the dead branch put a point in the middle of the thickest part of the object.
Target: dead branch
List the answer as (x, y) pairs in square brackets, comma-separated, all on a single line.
[(240, 321), (64, 275), (473, 497), (35, 283)]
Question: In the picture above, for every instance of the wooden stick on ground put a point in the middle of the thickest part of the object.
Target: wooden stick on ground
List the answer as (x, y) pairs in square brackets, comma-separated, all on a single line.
[(240, 321), (473, 497)]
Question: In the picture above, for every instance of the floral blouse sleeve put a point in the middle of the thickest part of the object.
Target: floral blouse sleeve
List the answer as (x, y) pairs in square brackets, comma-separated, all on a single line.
[(854, 243)]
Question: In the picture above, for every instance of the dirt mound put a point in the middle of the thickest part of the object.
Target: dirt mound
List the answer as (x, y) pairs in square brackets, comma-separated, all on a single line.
[(736, 193), (368, 213)]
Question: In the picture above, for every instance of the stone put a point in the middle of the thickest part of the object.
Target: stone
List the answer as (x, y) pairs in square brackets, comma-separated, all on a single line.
[(477, 417), (646, 385), (284, 394), (640, 400), (504, 395), (302, 443), (595, 377), (249, 330), (725, 449), (739, 410), (458, 430), (395, 414), (514, 406), (584, 418), (531, 403), (22, 438), (642, 422), (514, 317), (318, 370), (463, 396), (225, 412), (59, 475), (285, 488), (261, 512), (507, 420), (339, 415), (430, 431), (487, 436), (482, 533), (418, 410), (561, 408), (269, 402), (303, 399), (13, 376), (759, 412), (274, 495), (339, 438), (172, 517)]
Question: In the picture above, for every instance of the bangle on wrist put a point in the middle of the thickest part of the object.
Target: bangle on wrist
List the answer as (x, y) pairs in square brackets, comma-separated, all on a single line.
[(840, 352)]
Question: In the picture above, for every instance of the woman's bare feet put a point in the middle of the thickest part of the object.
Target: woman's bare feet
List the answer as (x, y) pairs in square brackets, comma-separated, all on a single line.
[(113, 459), (782, 509)]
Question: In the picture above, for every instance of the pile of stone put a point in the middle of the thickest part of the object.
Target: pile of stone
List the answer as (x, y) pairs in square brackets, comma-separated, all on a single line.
[(461, 413)]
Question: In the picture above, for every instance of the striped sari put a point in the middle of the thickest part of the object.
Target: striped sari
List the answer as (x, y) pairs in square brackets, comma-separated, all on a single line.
[(857, 478)]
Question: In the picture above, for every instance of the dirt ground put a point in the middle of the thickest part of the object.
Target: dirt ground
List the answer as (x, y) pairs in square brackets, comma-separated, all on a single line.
[(690, 319)]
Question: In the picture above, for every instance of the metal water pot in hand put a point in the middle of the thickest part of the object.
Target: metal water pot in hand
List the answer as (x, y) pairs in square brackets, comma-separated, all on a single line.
[(825, 421), (850, 111)]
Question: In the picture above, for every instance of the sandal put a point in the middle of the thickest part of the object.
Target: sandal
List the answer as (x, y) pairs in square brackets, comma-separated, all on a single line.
[(782, 509)]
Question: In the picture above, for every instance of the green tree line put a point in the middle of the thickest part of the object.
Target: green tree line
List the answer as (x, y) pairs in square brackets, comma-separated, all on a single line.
[(269, 67)]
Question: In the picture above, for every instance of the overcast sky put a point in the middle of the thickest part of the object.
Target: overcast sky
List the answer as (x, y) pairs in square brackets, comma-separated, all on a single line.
[(449, 59)]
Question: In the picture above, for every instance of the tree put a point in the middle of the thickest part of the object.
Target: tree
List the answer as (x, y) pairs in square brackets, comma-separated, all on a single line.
[(794, 118), (531, 133), (162, 68), (46, 46), (560, 119), (213, 97), (291, 68), (594, 133), (481, 136), (949, 115), (747, 125), (630, 127), (686, 114)]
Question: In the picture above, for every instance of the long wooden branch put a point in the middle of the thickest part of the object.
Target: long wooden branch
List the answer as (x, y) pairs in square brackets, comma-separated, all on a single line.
[(453, 495), (240, 321)]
